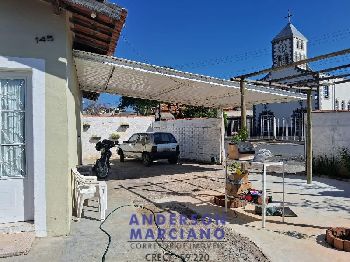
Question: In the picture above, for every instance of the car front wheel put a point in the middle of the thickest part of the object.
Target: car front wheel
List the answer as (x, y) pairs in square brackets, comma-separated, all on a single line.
[(146, 159), (121, 156), (173, 160)]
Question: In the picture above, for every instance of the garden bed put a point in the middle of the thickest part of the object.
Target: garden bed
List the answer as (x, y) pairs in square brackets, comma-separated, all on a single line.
[(339, 238)]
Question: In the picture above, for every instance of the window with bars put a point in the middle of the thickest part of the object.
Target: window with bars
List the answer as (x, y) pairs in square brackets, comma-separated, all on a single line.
[(12, 129), (343, 105), (336, 104), (326, 92)]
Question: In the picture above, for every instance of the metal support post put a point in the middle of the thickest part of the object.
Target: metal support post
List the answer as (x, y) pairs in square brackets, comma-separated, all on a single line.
[(263, 205), (283, 193)]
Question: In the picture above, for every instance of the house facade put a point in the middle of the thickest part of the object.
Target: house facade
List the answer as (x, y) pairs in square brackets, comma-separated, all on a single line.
[(41, 103)]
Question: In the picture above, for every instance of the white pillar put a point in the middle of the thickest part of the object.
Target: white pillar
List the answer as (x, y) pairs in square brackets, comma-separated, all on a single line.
[(302, 127), (222, 156), (274, 127), (295, 127)]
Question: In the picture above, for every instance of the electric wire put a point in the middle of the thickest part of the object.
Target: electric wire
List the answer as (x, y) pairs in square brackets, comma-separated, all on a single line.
[(156, 240), (248, 55)]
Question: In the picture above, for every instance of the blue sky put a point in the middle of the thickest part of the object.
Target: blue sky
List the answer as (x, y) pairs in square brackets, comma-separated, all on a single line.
[(225, 38)]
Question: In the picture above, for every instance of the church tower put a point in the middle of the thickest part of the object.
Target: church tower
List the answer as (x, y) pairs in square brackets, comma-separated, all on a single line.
[(289, 46)]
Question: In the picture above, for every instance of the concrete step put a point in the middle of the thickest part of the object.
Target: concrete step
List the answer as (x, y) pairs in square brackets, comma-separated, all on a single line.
[(17, 227)]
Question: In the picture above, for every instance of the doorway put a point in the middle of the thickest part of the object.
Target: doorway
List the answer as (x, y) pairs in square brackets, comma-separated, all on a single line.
[(16, 181)]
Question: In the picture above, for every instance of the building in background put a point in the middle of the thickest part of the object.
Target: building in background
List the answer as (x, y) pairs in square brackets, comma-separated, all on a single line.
[(286, 119)]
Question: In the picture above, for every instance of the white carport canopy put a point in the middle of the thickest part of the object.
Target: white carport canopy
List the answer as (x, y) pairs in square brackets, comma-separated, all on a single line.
[(105, 74)]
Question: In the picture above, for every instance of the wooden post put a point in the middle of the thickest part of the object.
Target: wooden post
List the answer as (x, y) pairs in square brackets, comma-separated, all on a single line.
[(243, 107), (309, 138)]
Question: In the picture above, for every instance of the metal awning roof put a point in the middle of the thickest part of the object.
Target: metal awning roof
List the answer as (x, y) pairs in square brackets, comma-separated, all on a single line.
[(105, 74)]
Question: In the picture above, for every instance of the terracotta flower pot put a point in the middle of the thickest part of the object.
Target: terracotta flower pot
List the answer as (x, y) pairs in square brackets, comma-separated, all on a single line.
[(233, 151), (347, 245), (329, 237), (338, 243)]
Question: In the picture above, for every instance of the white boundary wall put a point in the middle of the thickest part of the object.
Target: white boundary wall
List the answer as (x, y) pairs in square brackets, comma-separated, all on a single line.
[(330, 132), (199, 139), (105, 126)]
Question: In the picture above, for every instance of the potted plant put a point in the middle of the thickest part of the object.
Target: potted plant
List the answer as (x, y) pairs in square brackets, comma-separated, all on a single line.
[(95, 138), (241, 136), (237, 171), (86, 126), (123, 127), (237, 180), (114, 137)]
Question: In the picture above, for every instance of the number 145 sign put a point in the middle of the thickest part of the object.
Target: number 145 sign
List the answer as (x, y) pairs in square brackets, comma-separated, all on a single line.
[(47, 38)]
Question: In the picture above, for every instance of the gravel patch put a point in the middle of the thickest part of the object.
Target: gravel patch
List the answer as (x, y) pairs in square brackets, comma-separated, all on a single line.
[(233, 247)]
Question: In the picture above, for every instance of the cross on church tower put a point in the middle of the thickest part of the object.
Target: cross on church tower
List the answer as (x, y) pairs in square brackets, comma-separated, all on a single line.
[(289, 16)]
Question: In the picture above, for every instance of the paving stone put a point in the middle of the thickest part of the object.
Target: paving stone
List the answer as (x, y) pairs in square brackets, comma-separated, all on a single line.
[(16, 244)]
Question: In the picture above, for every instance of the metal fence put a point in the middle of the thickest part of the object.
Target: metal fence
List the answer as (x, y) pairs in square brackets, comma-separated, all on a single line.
[(272, 128)]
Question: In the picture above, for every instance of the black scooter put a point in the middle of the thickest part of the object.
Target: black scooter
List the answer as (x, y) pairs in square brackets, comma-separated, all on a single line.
[(102, 166)]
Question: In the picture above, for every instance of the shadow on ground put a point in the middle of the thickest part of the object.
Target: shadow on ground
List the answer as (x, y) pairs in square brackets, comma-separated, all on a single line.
[(131, 169)]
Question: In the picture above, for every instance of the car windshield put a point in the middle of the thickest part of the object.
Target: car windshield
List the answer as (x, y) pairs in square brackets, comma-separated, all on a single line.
[(164, 138), (133, 138)]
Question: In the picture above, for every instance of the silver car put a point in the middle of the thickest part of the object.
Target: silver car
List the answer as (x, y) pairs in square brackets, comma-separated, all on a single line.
[(149, 147)]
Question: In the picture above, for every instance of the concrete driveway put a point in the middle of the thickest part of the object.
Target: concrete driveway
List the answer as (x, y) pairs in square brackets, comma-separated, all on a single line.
[(188, 189)]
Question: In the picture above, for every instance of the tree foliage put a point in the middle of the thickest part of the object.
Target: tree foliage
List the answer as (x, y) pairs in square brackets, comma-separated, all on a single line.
[(141, 106), (199, 111), (146, 107)]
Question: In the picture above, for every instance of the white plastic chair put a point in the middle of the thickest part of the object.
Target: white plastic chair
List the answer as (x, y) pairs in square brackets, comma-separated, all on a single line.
[(87, 187)]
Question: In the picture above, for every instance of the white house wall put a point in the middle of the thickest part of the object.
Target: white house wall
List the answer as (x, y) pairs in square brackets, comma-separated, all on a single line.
[(330, 132), (22, 21)]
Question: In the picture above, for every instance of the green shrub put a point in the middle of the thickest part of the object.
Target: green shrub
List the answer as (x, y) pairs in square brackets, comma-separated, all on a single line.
[(345, 158), (225, 121), (242, 135), (234, 167), (115, 136), (333, 166)]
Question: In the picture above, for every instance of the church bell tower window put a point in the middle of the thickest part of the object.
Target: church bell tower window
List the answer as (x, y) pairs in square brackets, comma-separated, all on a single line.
[(286, 59), (279, 60)]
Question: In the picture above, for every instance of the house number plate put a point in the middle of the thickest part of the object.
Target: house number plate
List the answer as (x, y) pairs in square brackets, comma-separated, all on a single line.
[(47, 38)]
